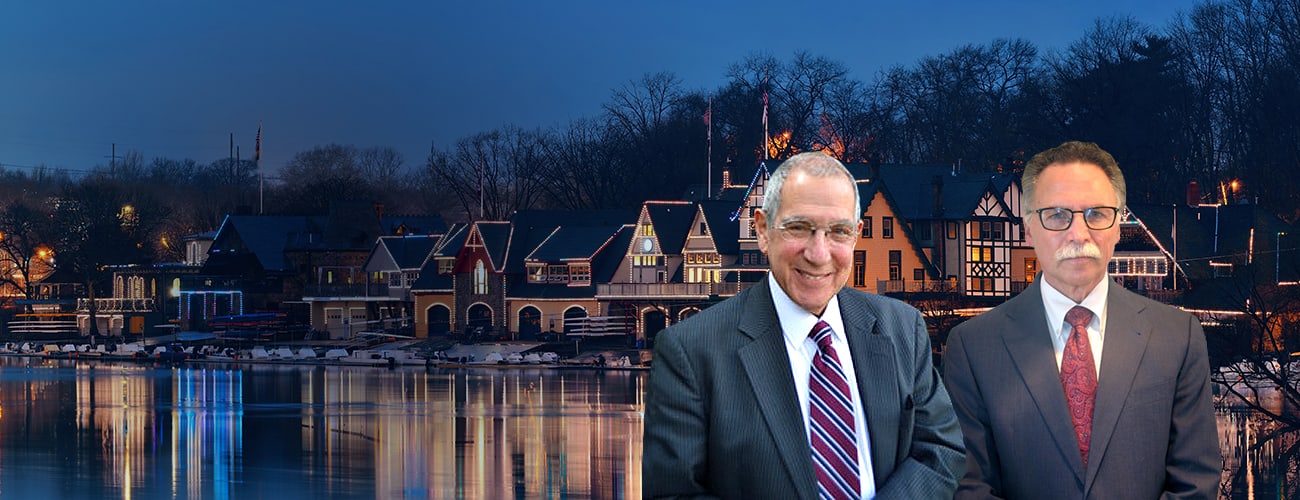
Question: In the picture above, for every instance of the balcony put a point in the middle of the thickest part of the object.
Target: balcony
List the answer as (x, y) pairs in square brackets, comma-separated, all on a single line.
[(1172, 297), (656, 290), (360, 290), (904, 286), (116, 305)]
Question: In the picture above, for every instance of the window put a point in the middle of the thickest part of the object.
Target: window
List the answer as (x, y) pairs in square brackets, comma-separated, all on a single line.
[(1031, 269), (952, 230), (558, 274), (446, 265), (895, 265), (647, 230), (480, 279), (702, 229), (924, 231), (886, 227), (918, 274), (985, 230), (866, 227), (536, 273), (999, 232), (981, 254), (859, 268), (580, 274)]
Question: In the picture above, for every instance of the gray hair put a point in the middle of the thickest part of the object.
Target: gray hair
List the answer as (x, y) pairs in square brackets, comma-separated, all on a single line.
[(1072, 152), (814, 164)]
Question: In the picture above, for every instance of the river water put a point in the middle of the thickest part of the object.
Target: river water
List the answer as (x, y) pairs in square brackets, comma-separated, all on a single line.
[(115, 430)]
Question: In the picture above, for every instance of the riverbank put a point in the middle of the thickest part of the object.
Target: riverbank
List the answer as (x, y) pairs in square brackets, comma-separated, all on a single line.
[(375, 351)]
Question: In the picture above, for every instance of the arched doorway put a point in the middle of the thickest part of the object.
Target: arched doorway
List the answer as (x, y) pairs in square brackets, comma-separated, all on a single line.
[(478, 321), (653, 321), (571, 315), (686, 313), (438, 318), (530, 323)]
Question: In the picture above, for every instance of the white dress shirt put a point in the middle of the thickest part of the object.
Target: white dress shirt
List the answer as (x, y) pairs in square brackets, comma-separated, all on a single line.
[(1057, 305), (796, 323)]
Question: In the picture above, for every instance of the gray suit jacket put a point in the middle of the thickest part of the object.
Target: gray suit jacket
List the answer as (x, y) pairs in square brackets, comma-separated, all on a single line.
[(1153, 428), (722, 417)]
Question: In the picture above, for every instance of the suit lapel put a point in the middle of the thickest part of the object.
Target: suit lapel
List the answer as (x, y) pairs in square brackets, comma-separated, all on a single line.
[(767, 365), (1123, 346), (877, 376), (1029, 344)]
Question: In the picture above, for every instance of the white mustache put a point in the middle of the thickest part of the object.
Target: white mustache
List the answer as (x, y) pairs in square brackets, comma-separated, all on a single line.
[(1086, 249)]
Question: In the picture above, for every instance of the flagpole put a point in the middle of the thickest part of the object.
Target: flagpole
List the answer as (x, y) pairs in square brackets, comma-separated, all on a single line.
[(766, 139), (257, 161), (708, 124)]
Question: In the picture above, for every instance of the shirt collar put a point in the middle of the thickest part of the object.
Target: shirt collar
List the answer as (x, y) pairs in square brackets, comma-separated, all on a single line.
[(1057, 304), (796, 322)]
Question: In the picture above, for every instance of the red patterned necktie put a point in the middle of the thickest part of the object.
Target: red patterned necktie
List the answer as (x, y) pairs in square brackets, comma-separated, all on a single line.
[(830, 413), (1079, 377)]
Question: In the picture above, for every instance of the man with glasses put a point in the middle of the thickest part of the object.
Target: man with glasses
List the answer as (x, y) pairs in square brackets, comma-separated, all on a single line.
[(799, 387), (1078, 388)]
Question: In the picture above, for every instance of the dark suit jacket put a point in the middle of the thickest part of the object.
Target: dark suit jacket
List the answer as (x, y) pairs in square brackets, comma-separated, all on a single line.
[(723, 419), (1153, 428)]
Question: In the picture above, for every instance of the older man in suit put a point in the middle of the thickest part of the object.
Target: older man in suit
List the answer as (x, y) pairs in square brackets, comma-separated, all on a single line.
[(799, 387), (1078, 388)]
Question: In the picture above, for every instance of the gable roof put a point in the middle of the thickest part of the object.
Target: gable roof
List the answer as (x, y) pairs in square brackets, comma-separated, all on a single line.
[(725, 232), (264, 237), (916, 187), (672, 222), (400, 252), (496, 238)]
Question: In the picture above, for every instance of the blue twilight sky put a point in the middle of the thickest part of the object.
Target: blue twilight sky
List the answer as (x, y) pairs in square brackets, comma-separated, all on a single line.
[(175, 78)]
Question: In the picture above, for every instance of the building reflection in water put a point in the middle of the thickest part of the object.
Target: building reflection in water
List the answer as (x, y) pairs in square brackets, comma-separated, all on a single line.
[(93, 430), (1260, 458), (218, 431)]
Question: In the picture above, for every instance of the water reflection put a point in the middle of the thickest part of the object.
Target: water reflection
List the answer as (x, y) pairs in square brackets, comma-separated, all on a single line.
[(1260, 458), (95, 430)]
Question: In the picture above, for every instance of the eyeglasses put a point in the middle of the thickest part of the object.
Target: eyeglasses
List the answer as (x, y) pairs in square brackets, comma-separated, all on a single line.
[(1060, 219), (803, 231)]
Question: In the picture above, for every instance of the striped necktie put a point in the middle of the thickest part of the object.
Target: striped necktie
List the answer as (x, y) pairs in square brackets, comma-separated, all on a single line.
[(1079, 377), (830, 414)]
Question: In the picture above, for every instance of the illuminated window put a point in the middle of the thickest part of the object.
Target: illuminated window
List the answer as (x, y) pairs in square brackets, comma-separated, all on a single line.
[(480, 278), (580, 274), (859, 268)]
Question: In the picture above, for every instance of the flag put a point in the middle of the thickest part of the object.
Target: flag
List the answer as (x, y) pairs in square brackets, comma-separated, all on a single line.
[(708, 115), (257, 147), (765, 136)]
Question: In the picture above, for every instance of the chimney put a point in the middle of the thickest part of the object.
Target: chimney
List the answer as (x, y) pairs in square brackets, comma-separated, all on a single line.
[(1193, 193)]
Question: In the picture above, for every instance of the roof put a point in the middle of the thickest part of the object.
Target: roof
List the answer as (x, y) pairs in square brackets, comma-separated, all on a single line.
[(572, 243), (402, 252), (530, 228), (1212, 233), (725, 232), (915, 188), (672, 223), (264, 236)]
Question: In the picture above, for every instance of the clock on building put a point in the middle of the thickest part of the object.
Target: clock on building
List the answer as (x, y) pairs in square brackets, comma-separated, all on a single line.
[(647, 245)]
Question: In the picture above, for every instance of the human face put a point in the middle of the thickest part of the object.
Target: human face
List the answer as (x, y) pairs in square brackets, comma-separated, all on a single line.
[(1074, 260), (810, 271)]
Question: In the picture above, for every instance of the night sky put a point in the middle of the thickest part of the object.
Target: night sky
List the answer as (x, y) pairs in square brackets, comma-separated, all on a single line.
[(176, 78)]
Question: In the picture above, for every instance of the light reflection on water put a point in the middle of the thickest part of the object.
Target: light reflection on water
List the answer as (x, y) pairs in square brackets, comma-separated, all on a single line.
[(215, 431), (1260, 459), (103, 430)]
